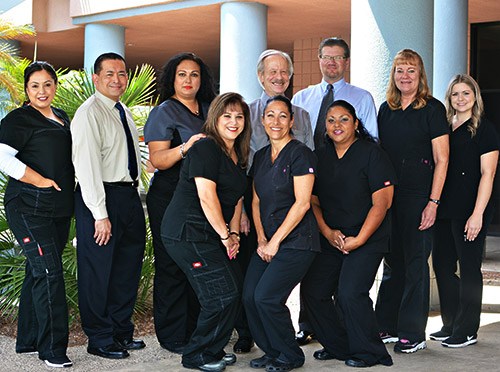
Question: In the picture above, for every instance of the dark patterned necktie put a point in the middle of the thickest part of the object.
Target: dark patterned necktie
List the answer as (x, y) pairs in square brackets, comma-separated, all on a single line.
[(132, 159), (319, 131)]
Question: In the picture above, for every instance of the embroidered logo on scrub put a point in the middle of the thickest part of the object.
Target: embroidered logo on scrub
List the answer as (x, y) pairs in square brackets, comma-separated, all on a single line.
[(26, 240), (197, 265)]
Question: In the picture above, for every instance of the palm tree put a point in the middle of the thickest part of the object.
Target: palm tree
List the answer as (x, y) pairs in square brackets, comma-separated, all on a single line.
[(9, 79)]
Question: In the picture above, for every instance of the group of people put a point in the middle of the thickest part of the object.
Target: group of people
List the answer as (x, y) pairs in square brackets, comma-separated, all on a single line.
[(247, 201)]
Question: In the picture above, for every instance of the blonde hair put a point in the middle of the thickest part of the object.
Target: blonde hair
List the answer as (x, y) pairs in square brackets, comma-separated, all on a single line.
[(477, 109), (393, 95)]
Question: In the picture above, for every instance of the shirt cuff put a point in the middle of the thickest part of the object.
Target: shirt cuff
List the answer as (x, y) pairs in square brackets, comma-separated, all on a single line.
[(99, 213)]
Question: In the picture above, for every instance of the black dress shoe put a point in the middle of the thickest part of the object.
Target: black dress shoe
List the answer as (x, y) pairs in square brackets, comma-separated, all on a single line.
[(357, 363), (229, 359), (323, 355), (243, 345), (131, 344), (304, 337), (217, 366), (176, 347), (112, 351)]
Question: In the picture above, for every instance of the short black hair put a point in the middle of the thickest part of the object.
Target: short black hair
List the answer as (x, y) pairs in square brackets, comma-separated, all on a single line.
[(335, 41), (104, 57)]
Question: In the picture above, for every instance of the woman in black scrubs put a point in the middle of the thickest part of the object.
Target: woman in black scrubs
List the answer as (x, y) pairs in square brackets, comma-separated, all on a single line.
[(35, 151), (414, 133), (464, 214), (287, 237), (351, 197), (200, 229), (186, 90)]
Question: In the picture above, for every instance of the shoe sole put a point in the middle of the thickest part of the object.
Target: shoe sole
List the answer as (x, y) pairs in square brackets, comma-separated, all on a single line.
[(434, 338), (466, 343), (54, 365), (420, 346), (109, 356), (390, 340)]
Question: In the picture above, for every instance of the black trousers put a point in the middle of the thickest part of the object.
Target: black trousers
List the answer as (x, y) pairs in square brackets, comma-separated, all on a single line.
[(460, 297), (108, 275), (346, 325), (175, 306), (43, 312), (266, 288), (216, 284), (403, 301)]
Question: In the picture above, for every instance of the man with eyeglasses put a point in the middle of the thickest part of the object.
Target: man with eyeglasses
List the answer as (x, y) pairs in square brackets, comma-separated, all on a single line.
[(333, 55)]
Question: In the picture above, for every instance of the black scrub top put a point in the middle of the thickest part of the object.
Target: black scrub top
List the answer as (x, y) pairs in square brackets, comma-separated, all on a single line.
[(464, 169), (172, 121), (273, 183), (45, 146), (185, 216), (345, 186), (406, 136)]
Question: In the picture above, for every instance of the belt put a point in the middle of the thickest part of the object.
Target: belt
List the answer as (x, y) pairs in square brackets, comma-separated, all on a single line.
[(122, 184)]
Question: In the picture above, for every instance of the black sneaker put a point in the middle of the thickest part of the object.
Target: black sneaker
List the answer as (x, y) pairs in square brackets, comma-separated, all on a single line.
[(439, 336), (59, 362), (387, 338), (457, 341), (406, 346)]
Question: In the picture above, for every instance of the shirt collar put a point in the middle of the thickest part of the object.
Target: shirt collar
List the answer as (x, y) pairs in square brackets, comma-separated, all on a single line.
[(263, 99), (108, 102), (336, 86)]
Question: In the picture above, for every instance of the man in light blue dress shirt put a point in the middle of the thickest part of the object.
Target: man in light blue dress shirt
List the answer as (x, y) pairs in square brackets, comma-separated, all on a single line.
[(333, 59)]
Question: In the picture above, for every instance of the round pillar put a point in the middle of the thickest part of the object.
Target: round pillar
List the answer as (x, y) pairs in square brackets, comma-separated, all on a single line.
[(450, 43), (243, 36), (102, 38), (379, 29)]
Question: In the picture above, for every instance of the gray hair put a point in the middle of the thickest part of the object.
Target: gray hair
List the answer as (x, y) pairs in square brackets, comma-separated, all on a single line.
[(273, 52)]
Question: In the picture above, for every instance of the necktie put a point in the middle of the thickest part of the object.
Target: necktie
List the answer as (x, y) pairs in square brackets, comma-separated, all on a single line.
[(132, 159), (319, 131)]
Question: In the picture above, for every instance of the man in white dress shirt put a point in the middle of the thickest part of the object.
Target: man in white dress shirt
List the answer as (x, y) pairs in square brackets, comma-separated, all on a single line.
[(110, 225)]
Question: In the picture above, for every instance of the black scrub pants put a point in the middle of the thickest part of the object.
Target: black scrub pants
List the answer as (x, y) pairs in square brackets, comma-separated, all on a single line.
[(266, 289), (248, 246), (346, 326), (460, 297), (175, 306), (43, 313), (403, 301), (216, 284), (108, 275)]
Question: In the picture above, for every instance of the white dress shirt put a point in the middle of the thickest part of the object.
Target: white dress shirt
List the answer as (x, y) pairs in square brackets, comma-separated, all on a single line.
[(100, 151)]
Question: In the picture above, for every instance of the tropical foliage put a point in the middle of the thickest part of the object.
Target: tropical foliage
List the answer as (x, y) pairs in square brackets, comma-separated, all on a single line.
[(10, 71), (74, 88)]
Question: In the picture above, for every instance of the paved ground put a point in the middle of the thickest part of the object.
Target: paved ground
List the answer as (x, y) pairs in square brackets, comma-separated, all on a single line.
[(485, 356)]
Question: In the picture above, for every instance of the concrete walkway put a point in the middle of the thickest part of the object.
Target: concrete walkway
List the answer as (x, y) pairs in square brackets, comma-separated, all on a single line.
[(484, 356)]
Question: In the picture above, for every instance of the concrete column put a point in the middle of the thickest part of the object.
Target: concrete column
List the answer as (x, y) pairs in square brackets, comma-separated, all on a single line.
[(379, 29), (102, 38), (450, 43), (243, 36)]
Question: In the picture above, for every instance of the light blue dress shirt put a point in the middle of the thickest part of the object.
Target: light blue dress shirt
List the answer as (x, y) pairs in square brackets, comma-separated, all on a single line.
[(310, 99)]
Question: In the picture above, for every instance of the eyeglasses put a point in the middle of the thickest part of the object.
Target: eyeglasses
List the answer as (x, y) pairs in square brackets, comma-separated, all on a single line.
[(332, 58)]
